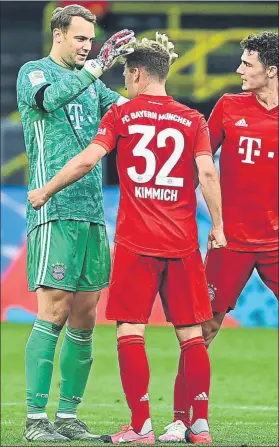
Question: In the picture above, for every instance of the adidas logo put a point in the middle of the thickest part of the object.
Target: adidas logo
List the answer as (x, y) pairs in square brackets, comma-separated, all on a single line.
[(241, 123), (202, 396), (145, 397)]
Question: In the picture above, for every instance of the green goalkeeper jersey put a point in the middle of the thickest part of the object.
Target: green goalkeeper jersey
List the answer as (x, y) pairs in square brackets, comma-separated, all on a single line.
[(73, 105)]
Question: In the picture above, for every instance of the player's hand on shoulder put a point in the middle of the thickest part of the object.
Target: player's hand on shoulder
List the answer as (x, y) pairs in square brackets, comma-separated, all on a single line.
[(114, 48), (216, 239), (37, 198), (163, 40)]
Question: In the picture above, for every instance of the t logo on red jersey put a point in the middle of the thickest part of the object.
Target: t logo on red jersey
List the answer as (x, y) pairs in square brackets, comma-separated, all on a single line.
[(251, 149)]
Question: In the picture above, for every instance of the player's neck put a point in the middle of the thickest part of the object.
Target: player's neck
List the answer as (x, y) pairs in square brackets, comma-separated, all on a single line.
[(268, 97), (153, 90), (58, 59)]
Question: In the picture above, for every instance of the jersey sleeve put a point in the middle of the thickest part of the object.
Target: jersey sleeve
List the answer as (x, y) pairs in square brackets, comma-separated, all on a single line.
[(31, 78), (202, 141), (106, 134), (107, 97), (215, 125)]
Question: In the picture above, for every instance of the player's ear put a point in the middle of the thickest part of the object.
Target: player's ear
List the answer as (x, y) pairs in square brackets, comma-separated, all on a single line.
[(272, 71), (136, 75), (57, 35)]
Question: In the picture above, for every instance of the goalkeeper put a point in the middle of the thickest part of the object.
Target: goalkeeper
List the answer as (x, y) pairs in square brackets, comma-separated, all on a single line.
[(61, 101)]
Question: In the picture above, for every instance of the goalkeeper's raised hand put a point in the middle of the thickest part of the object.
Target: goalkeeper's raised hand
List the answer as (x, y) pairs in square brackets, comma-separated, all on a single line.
[(163, 40), (115, 47)]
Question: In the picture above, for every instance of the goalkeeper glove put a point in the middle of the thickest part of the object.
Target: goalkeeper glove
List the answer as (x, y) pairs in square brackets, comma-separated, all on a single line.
[(114, 48), (163, 40)]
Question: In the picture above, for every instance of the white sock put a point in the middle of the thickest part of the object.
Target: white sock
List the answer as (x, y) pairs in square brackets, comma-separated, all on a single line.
[(199, 426), (37, 416), (66, 416), (146, 428)]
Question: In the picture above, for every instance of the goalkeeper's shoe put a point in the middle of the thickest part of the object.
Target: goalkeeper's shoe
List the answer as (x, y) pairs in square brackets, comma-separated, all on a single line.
[(175, 432), (128, 435), (74, 429), (42, 430), (198, 433)]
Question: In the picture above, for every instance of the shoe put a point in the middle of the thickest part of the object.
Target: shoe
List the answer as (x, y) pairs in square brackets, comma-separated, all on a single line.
[(129, 435), (42, 430), (199, 438), (198, 433), (175, 432), (74, 429)]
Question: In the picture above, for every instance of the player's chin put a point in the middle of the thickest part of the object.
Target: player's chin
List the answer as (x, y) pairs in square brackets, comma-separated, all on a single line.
[(79, 63), (245, 86)]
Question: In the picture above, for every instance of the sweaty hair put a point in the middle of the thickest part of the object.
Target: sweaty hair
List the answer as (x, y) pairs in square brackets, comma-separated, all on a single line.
[(61, 17), (151, 56), (266, 44)]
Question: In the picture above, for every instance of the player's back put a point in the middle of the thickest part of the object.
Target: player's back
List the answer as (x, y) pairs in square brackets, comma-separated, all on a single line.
[(155, 160)]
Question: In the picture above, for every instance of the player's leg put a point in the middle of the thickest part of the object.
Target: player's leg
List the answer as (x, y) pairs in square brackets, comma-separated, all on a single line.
[(135, 376), (93, 259), (196, 374), (267, 265), (227, 273), (47, 265), (133, 288), (186, 304)]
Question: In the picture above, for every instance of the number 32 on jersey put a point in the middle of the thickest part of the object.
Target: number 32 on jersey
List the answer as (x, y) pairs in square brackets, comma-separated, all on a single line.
[(141, 150)]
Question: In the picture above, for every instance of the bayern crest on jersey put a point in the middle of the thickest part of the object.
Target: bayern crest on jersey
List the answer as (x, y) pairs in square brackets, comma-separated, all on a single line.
[(211, 291), (92, 91)]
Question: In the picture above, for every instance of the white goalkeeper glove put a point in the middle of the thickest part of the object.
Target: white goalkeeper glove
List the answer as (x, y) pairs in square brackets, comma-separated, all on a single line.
[(163, 40), (115, 47)]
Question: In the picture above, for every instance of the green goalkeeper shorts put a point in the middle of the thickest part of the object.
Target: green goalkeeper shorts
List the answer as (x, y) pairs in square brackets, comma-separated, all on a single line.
[(68, 255)]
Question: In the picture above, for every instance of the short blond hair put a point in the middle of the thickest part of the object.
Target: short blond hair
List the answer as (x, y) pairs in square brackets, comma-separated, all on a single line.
[(61, 17), (150, 55)]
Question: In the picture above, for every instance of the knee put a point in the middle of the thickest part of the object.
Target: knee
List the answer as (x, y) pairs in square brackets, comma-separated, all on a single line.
[(60, 312), (124, 329), (54, 305), (86, 319), (185, 333), (84, 310)]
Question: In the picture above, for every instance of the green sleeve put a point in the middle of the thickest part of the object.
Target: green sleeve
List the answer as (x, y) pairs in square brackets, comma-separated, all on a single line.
[(107, 97), (33, 76)]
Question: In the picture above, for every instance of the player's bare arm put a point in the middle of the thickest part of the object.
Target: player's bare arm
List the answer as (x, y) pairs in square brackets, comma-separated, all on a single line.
[(74, 170), (211, 191)]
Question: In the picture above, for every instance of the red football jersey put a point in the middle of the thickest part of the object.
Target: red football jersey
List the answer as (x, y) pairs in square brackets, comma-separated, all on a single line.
[(248, 134), (157, 141)]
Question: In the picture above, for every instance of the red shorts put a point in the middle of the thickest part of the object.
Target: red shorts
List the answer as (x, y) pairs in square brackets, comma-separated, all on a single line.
[(228, 271), (136, 280)]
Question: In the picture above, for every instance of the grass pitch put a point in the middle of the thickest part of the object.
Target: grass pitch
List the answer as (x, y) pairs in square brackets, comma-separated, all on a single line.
[(244, 393)]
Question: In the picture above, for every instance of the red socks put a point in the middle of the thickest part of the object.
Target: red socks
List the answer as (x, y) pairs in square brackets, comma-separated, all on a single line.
[(192, 382), (181, 407), (191, 386), (134, 372)]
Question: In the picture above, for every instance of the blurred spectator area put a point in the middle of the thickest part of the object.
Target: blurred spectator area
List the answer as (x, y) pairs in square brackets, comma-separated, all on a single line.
[(21, 41), (207, 36)]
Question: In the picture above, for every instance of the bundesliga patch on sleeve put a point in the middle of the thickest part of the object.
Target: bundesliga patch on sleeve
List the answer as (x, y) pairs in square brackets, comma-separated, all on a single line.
[(36, 78), (102, 131)]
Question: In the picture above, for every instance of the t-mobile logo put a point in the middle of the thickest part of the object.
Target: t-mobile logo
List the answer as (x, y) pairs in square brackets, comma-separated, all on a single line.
[(76, 115), (253, 147)]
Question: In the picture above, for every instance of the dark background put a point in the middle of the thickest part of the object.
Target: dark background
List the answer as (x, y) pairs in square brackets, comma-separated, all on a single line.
[(25, 36)]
